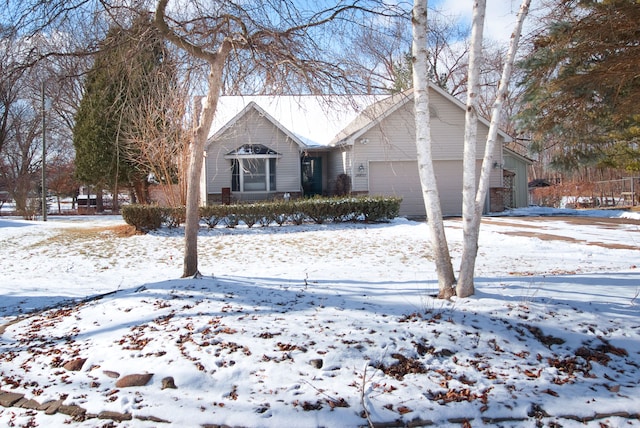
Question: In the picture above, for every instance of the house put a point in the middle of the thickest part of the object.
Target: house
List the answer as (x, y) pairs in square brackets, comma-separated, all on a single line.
[(266, 147)]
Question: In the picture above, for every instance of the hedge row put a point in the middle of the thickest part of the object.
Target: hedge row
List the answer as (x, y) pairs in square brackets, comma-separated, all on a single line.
[(317, 210)]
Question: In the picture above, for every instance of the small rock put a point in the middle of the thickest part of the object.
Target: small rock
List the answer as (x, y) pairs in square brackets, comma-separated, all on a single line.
[(168, 382), (152, 419), (74, 365), (52, 407), (72, 410), (134, 380), (111, 374), (316, 362), (115, 416), (28, 404), (8, 399)]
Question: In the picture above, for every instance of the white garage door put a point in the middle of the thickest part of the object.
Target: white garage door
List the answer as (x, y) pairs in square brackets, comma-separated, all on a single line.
[(401, 179)]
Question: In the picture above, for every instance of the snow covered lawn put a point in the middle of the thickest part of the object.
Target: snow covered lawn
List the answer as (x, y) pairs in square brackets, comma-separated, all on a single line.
[(330, 325)]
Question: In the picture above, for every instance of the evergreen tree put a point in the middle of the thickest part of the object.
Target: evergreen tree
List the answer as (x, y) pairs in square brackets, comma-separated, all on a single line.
[(582, 85), (129, 65)]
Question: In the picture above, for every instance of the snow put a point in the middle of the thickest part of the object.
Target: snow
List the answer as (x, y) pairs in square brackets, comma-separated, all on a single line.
[(553, 331), (315, 120)]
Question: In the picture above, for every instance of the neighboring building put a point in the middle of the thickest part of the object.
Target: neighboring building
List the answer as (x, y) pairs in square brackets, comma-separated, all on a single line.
[(267, 147)]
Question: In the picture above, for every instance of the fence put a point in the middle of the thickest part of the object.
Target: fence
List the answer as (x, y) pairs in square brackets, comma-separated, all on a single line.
[(622, 192)]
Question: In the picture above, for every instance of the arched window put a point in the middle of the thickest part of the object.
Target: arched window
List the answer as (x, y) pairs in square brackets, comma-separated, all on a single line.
[(253, 168)]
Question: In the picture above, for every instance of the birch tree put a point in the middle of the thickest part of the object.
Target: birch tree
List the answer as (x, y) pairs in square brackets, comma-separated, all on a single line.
[(470, 143), (473, 199), (444, 267)]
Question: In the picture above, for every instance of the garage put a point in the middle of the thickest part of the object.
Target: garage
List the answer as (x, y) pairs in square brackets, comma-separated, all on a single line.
[(400, 178)]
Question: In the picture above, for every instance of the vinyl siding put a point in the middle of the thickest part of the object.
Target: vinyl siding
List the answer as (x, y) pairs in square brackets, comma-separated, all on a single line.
[(519, 167), (253, 128), (392, 141)]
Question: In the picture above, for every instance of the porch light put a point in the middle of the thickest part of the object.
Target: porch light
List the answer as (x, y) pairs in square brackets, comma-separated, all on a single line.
[(361, 168)]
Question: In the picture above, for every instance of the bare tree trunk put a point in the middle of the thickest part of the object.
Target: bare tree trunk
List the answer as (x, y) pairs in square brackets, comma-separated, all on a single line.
[(192, 223), (464, 287), (472, 218), (444, 268), (216, 61)]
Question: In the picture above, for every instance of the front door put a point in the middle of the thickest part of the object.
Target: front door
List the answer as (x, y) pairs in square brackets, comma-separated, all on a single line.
[(312, 175)]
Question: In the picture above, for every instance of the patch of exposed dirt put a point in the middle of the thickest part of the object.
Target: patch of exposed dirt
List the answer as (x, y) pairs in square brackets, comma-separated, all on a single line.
[(538, 223), (610, 223), (552, 237), (120, 231), (123, 231)]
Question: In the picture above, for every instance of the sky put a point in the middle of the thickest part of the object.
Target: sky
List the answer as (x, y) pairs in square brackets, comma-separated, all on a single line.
[(499, 20)]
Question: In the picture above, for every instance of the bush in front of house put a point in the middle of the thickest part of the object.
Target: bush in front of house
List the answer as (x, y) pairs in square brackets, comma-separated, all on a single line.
[(319, 210), (143, 217), (174, 216), (376, 208), (212, 215)]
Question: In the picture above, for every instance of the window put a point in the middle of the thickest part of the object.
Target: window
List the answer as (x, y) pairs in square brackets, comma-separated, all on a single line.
[(253, 168)]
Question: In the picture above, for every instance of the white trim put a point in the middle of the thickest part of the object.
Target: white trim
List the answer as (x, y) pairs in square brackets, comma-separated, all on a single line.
[(248, 156), (262, 112), (403, 98), (241, 173)]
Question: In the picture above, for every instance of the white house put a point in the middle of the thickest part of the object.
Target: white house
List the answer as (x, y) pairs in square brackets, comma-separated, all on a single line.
[(265, 147)]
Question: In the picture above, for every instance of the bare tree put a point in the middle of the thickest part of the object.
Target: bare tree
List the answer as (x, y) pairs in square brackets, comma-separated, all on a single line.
[(473, 199), (158, 142), (471, 131), (61, 180), (444, 268), (272, 44), (10, 73), (21, 160), (387, 57), (21, 123)]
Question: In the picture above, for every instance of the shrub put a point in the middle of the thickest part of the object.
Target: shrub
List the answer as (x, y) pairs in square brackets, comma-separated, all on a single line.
[(377, 208), (319, 210), (343, 185), (279, 212), (212, 215), (296, 213), (143, 217), (231, 220), (249, 214), (174, 216)]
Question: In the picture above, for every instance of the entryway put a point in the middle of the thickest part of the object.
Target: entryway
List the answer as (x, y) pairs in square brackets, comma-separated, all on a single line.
[(311, 175)]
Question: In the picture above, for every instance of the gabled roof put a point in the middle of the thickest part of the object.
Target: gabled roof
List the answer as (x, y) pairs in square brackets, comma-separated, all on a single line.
[(371, 116), (253, 106), (320, 120), (310, 120), (380, 110)]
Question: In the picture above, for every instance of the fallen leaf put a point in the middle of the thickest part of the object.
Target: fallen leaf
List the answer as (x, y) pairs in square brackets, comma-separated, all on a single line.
[(404, 410)]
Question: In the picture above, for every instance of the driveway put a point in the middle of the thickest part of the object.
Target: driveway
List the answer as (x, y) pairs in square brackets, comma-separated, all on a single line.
[(575, 229)]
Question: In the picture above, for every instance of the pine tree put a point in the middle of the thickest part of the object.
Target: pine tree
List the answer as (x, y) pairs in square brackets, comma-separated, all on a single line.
[(582, 85), (127, 65)]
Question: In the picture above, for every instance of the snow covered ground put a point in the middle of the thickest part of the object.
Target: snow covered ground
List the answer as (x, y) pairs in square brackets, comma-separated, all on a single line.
[(323, 325)]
